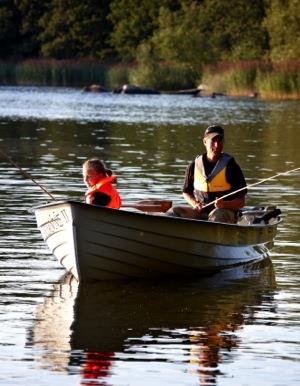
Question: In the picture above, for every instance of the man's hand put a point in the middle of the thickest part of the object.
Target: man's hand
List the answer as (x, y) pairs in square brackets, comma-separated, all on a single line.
[(191, 200), (197, 206), (220, 203)]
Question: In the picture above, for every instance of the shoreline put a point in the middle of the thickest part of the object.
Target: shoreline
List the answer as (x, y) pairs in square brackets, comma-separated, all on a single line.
[(275, 81)]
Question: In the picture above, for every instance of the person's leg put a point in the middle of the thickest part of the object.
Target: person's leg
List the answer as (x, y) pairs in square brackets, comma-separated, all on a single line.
[(223, 215), (186, 212)]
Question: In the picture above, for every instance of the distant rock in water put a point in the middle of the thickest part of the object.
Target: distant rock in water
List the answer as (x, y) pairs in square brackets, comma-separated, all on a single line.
[(254, 95), (200, 91), (95, 88), (205, 91), (191, 91), (131, 89)]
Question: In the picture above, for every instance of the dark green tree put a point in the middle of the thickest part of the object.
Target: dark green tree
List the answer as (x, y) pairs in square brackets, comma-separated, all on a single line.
[(210, 31), (181, 36), (9, 29), (134, 22), (75, 28), (30, 12), (235, 29), (283, 25)]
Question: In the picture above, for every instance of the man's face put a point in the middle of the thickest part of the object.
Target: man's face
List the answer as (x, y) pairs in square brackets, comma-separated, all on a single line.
[(214, 147)]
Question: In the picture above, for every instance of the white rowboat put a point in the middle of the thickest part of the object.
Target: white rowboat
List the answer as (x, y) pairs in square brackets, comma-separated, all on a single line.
[(98, 243)]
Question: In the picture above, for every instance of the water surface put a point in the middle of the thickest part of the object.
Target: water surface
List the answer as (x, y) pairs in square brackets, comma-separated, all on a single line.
[(239, 328)]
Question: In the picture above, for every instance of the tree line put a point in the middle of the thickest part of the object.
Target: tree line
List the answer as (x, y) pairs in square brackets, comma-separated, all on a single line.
[(188, 32)]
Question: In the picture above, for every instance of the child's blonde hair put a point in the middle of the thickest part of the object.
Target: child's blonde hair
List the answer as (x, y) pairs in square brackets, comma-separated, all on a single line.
[(97, 165)]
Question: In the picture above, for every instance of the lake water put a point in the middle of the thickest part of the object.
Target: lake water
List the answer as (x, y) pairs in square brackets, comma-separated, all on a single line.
[(236, 328)]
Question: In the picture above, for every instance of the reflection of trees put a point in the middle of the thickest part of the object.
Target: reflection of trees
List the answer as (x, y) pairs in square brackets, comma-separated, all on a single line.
[(111, 318), (153, 156), (206, 347), (53, 151), (32, 140), (260, 152)]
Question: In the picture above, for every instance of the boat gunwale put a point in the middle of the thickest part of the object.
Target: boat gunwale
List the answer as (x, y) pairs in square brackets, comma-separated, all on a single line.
[(164, 218)]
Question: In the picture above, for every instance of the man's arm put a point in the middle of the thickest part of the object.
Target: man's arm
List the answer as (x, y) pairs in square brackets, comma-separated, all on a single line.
[(235, 204), (188, 187)]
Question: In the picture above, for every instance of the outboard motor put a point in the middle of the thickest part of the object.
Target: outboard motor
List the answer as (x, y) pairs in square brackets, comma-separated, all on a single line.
[(267, 216)]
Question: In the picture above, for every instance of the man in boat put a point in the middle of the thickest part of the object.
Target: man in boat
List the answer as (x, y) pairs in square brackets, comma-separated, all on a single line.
[(211, 176)]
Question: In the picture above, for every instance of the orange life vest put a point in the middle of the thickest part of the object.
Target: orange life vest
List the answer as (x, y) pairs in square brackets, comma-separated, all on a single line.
[(105, 186)]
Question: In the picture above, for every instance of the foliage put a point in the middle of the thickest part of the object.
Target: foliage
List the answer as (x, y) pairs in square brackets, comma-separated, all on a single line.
[(193, 32), (117, 75), (198, 33), (180, 37), (161, 75), (280, 80), (30, 12), (77, 29), (164, 77), (262, 78), (9, 28), (234, 28), (7, 73), (53, 73), (133, 23), (237, 80), (283, 25), (169, 40)]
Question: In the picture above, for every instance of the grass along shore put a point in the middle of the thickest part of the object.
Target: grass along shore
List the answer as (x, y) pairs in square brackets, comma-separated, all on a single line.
[(256, 78)]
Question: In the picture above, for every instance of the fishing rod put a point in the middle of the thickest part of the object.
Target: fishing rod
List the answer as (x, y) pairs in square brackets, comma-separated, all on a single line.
[(146, 205), (250, 186), (27, 175)]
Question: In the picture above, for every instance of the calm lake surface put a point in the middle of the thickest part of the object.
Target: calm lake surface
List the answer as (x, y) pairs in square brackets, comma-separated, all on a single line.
[(236, 328)]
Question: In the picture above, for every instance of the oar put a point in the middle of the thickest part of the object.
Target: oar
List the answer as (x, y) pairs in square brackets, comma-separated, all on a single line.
[(27, 175), (250, 186), (150, 205)]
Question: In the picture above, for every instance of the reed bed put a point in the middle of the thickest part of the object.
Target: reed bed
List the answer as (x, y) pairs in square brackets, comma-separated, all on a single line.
[(262, 78), (117, 75), (231, 79), (165, 76), (7, 73), (53, 73), (281, 82)]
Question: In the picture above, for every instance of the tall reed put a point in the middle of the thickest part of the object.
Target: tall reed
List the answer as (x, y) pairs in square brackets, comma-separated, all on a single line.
[(263, 78), (164, 76), (53, 73), (7, 73), (266, 79), (117, 75), (281, 81), (231, 78)]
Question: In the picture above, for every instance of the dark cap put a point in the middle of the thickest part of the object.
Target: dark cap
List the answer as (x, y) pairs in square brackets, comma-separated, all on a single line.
[(213, 131)]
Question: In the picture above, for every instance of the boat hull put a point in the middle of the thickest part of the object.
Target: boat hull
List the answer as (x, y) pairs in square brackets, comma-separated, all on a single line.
[(103, 244)]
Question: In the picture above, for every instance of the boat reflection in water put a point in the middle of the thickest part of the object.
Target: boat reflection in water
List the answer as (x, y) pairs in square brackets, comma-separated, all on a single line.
[(91, 329)]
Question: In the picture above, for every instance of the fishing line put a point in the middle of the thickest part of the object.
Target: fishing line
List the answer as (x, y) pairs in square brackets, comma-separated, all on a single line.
[(27, 175), (250, 186)]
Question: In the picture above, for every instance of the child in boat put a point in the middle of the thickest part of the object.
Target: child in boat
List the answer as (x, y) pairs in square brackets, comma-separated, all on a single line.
[(99, 181)]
